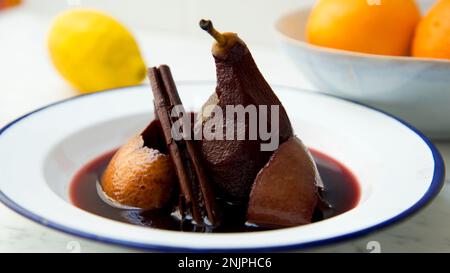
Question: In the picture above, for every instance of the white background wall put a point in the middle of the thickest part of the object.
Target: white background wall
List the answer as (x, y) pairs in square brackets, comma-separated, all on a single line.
[(252, 18)]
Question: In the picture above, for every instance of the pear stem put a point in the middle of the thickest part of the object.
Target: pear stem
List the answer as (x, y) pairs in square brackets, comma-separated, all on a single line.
[(207, 26)]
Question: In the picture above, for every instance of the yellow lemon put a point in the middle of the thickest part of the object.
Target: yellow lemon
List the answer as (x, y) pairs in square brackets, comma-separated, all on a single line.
[(93, 51)]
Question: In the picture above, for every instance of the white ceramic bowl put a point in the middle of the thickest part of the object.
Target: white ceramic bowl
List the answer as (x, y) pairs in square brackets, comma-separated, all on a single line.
[(415, 89), (398, 169)]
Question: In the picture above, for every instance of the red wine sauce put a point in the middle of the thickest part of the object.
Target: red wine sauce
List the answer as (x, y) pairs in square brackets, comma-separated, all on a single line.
[(341, 193)]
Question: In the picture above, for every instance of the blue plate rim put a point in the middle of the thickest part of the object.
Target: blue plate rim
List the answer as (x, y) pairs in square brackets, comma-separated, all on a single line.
[(435, 187)]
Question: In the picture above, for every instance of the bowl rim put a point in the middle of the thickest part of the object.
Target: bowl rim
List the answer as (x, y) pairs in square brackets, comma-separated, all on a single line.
[(335, 51), (436, 185)]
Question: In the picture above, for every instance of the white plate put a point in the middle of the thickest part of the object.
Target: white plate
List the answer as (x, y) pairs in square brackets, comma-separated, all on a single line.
[(399, 170), (415, 89)]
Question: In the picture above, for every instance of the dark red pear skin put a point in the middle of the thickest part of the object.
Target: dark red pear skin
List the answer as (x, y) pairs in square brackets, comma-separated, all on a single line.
[(232, 164), (285, 192)]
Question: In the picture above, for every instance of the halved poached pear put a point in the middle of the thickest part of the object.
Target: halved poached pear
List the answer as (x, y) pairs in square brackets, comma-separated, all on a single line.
[(140, 174), (285, 192)]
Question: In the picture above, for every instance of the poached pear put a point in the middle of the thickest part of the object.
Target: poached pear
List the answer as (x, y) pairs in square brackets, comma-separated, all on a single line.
[(140, 174), (233, 164), (285, 192)]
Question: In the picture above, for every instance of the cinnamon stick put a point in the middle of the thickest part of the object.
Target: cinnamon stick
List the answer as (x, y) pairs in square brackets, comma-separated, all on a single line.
[(193, 182)]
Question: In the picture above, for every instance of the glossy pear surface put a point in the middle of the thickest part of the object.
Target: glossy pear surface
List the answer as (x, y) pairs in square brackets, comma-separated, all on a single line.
[(285, 192), (233, 164)]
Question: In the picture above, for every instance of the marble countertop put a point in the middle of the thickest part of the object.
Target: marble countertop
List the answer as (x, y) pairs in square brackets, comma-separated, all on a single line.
[(24, 56)]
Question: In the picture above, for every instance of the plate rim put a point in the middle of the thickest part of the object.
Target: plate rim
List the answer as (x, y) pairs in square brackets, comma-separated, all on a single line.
[(436, 185)]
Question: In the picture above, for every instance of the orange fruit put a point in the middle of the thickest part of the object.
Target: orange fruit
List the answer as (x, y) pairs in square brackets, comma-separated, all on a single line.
[(383, 27), (432, 37), (9, 3)]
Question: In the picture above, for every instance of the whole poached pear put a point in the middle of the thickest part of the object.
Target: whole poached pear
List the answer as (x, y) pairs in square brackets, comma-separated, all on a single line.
[(234, 164)]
